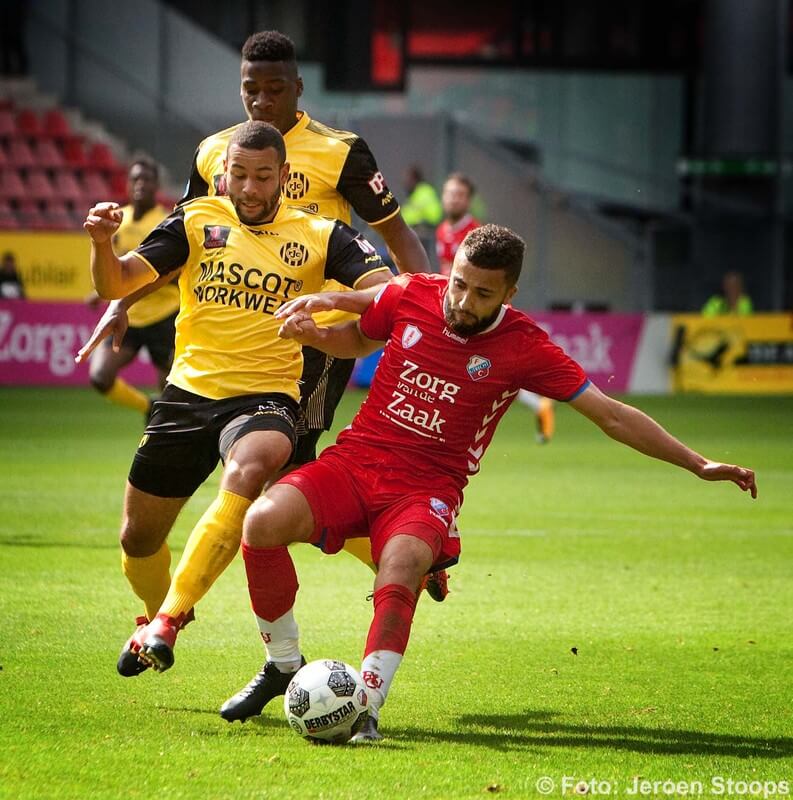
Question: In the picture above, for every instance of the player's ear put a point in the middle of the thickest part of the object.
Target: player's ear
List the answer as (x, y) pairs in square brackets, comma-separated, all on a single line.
[(299, 84), (511, 292), (284, 172)]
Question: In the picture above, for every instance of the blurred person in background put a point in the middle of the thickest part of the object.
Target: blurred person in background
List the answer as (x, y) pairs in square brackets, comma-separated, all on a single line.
[(732, 300), (11, 287), (422, 209), (456, 196), (151, 321), (458, 192)]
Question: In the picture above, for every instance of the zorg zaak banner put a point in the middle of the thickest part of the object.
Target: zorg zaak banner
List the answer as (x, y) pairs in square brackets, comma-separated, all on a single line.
[(747, 355)]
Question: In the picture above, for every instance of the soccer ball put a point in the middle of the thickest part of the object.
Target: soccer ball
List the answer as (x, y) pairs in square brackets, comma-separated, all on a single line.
[(326, 701)]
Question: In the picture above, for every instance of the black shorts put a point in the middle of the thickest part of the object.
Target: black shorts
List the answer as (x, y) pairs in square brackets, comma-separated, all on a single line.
[(188, 434), (322, 384), (157, 338)]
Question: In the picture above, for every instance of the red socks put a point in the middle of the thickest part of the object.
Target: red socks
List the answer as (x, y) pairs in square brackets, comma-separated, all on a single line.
[(394, 606), (272, 580)]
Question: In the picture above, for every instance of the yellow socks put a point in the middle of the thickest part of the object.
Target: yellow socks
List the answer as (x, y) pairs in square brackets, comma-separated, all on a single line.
[(149, 577), (361, 548), (123, 394), (209, 550)]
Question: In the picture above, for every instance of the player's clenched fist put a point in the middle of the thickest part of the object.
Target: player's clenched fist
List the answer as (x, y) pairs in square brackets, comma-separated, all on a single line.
[(300, 326), (102, 221)]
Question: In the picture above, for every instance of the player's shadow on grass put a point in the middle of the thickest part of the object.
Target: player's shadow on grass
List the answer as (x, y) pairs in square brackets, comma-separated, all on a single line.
[(536, 730)]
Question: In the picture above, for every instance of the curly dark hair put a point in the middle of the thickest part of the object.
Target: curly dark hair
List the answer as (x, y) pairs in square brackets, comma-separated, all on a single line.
[(256, 135), (268, 46), (495, 247)]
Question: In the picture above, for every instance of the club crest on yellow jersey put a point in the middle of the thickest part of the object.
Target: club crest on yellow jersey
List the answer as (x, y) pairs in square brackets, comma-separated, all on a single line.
[(294, 254), (296, 186)]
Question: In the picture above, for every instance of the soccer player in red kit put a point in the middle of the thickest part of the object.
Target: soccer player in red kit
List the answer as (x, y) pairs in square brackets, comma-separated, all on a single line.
[(456, 356), (458, 190)]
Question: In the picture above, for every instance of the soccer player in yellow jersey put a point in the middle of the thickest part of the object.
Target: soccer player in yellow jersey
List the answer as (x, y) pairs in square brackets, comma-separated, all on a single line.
[(330, 173), (232, 393), (151, 320)]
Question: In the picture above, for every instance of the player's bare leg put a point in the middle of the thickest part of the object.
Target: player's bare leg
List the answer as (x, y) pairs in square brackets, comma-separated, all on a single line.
[(145, 561), (543, 412), (403, 563), (252, 461), (104, 367), (280, 517)]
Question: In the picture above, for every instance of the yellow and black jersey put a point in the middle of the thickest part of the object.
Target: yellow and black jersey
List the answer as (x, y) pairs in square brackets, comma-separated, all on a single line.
[(330, 171), (234, 277), (131, 232)]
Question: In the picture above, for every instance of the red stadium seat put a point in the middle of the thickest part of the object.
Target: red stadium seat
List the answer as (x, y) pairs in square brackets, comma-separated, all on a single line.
[(47, 155), (30, 215), (3, 157), (20, 155), (39, 185), (166, 200), (118, 183), (100, 156), (28, 123), (68, 189), (74, 151), (8, 127), (55, 124), (58, 216), (8, 219), (95, 188), (12, 187)]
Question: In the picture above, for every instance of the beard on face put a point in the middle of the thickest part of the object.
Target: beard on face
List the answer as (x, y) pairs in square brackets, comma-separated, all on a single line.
[(466, 324), (268, 206)]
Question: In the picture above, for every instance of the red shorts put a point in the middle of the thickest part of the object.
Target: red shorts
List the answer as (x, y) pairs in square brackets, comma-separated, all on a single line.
[(350, 499)]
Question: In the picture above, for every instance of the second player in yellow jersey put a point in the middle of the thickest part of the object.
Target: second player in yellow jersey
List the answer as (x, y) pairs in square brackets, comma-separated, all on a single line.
[(151, 321)]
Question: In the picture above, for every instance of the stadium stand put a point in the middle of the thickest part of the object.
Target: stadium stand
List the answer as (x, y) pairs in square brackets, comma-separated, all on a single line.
[(54, 165)]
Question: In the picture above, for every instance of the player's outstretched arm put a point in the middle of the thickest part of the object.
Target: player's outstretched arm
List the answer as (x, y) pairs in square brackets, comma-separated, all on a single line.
[(356, 301), (630, 426), (114, 322), (408, 252), (113, 277), (344, 340)]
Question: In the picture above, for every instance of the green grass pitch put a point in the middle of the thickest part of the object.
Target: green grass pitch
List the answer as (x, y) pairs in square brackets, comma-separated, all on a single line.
[(612, 619)]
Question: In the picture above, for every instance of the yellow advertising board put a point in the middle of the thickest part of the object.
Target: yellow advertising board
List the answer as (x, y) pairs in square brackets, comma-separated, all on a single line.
[(733, 355), (53, 265)]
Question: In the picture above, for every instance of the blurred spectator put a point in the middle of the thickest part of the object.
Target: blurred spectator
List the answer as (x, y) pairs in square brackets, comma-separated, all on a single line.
[(732, 300), (422, 208), (10, 283), (458, 191), (12, 37)]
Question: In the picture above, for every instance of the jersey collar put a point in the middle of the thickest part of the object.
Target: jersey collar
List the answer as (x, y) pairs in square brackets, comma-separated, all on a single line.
[(302, 123)]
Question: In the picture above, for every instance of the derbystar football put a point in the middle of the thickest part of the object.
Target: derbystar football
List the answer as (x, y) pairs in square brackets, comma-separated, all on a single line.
[(326, 701)]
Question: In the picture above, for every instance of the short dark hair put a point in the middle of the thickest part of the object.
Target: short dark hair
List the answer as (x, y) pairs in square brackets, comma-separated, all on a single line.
[(147, 163), (268, 46), (461, 177), (495, 247), (256, 135)]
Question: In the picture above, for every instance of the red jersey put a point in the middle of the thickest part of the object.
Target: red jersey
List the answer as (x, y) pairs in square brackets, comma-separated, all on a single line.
[(448, 238), (437, 397)]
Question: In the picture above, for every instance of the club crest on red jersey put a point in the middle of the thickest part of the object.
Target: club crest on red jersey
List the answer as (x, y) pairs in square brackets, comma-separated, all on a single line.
[(215, 236), (410, 336), (440, 509), (478, 367)]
